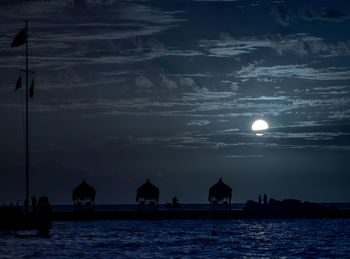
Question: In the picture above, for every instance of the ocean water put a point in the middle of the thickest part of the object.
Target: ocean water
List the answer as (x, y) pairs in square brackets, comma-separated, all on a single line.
[(316, 238)]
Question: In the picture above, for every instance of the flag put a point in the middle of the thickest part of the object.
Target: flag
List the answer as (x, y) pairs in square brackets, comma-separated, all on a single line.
[(31, 89), (18, 83), (19, 39)]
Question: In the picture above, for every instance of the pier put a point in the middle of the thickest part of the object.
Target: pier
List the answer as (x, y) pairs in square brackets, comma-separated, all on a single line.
[(187, 214)]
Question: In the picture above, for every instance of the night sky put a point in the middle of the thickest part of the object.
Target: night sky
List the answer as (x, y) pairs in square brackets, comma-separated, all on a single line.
[(168, 90)]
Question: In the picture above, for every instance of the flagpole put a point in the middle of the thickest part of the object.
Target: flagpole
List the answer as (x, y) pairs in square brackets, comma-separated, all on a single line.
[(27, 124)]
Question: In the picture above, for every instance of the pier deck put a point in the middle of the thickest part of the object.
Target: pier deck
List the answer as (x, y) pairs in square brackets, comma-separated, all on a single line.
[(186, 214)]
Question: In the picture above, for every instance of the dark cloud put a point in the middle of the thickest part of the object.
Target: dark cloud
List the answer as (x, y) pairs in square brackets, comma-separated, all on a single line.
[(286, 15), (283, 15), (325, 15)]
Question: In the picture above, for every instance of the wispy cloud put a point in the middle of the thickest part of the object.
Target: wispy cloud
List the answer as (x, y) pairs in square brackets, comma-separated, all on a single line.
[(244, 156), (198, 123), (228, 46), (301, 44), (254, 70), (143, 82), (64, 41)]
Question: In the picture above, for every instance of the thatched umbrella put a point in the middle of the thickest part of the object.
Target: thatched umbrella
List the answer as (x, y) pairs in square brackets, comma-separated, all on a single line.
[(84, 192), (147, 191), (220, 192)]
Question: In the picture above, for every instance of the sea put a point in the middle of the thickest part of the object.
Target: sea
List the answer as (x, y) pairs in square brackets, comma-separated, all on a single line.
[(258, 238)]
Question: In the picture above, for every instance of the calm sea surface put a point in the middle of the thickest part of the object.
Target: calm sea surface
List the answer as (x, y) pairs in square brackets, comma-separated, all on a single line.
[(186, 239)]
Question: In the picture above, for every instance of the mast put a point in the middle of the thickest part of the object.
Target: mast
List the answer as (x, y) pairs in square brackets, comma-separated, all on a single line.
[(27, 123)]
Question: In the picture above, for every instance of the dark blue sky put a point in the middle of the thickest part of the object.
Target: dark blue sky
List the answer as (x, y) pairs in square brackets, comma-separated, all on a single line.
[(168, 90)]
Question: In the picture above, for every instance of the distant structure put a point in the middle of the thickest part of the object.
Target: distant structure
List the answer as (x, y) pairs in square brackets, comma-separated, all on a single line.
[(260, 199), (84, 197), (289, 208), (147, 196), (220, 196)]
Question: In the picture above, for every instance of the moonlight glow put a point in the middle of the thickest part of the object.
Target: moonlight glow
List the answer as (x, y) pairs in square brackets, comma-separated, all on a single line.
[(259, 126)]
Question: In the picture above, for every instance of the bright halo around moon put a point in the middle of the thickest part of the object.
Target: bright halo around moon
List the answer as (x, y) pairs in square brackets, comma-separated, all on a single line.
[(259, 126)]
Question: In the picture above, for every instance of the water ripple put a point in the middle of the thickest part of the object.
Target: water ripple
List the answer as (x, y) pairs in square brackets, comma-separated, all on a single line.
[(186, 239)]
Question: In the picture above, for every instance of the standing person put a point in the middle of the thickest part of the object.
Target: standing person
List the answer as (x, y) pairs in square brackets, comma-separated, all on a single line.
[(34, 200), (175, 203)]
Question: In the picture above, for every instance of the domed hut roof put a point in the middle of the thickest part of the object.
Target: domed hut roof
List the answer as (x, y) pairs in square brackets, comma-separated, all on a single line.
[(220, 191), (147, 191), (84, 191)]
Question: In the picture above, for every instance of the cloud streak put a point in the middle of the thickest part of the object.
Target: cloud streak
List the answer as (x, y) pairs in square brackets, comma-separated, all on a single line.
[(255, 70)]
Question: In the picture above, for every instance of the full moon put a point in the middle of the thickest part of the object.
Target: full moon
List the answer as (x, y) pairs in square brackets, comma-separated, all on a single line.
[(259, 126)]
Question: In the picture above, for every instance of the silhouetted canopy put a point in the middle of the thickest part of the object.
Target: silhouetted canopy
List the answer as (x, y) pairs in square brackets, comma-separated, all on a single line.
[(147, 191), (83, 192), (220, 191)]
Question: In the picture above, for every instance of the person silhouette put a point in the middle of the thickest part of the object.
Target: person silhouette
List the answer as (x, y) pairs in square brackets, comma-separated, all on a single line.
[(175, 200), (26, 203), (175, 203), (265, 199), (34, 200), (44, 205)]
